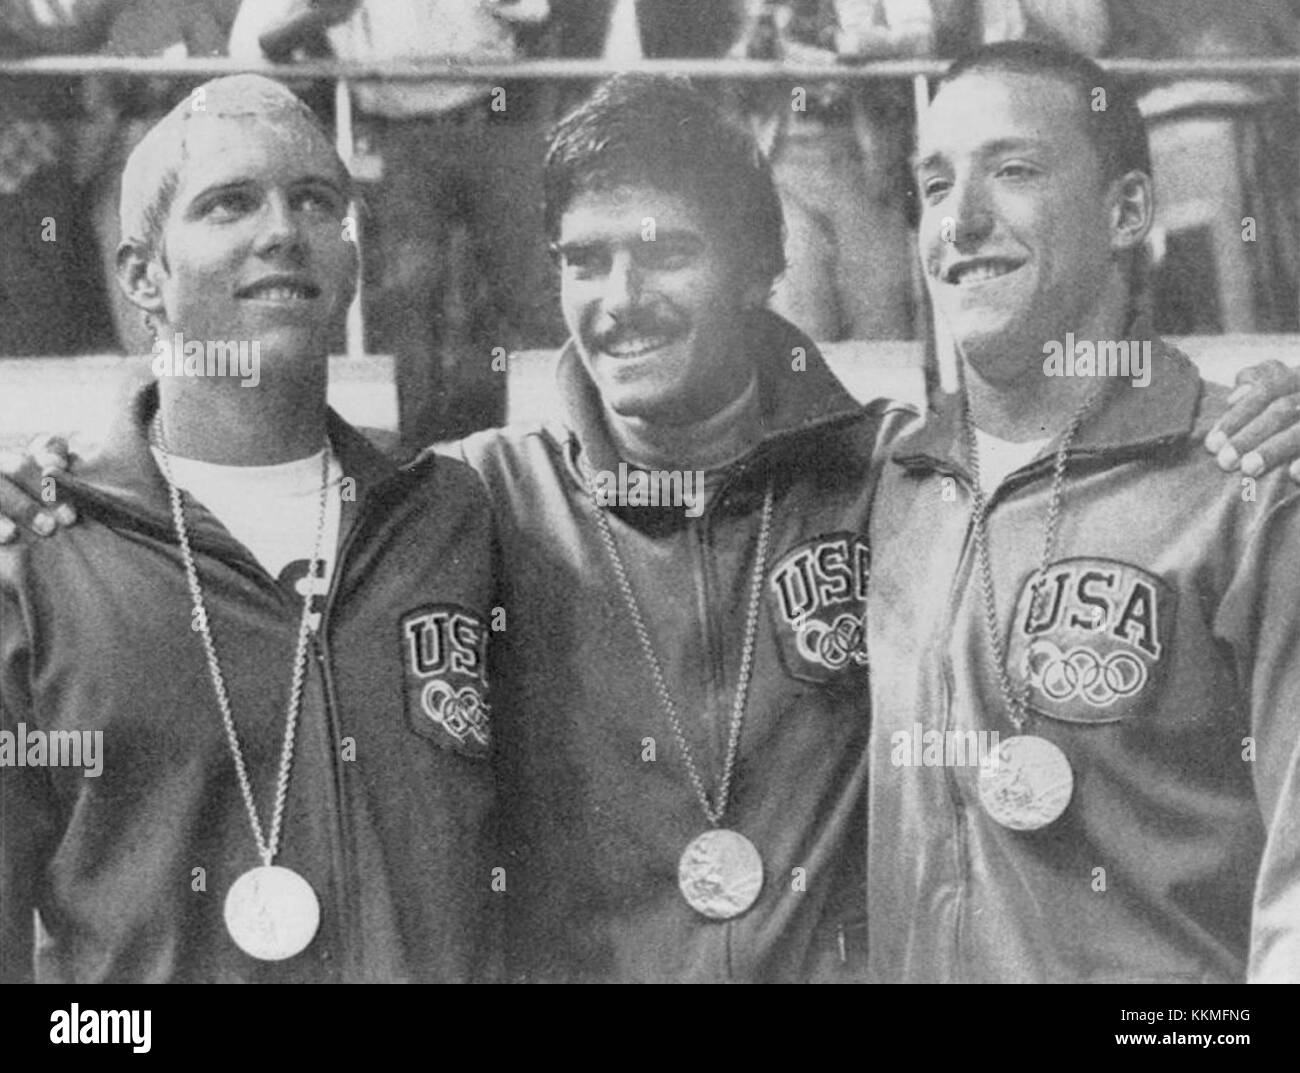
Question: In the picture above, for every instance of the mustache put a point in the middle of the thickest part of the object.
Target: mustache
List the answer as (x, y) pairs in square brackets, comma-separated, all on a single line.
[(636, 324)]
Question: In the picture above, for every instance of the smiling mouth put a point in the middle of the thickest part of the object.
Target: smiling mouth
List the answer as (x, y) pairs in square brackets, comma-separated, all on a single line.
[(968, 273), (626, 345), (281, 292)]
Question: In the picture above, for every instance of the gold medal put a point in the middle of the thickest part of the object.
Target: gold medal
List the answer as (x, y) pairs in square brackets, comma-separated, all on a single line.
[(720, 874), (1030, 784), (272, 913)]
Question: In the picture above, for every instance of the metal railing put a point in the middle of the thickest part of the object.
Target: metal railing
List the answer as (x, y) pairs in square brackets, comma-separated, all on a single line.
[(455, 69)]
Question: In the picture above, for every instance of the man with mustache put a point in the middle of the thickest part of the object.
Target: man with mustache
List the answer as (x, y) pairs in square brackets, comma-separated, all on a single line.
[(277, 635), (680, 699), (685, 745), (1060, 569)]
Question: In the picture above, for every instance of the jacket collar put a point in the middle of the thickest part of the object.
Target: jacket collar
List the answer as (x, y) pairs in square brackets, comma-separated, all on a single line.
[(1131, 420), (791, 400), (121, 473)]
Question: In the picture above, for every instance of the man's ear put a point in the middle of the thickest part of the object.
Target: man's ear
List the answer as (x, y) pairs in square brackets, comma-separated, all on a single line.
[(1132, 210), (140, 276)]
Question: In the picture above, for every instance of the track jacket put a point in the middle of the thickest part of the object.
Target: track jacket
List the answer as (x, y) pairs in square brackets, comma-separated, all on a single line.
[(1164, 661), (599, 804), (388, 806)]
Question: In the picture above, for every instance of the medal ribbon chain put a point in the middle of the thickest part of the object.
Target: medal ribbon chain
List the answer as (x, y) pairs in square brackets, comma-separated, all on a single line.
[(713, 813), (1017, 702), (266, 848)]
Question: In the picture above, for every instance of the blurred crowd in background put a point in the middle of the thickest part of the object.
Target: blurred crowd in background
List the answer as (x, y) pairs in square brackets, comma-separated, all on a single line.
[(455, 259)]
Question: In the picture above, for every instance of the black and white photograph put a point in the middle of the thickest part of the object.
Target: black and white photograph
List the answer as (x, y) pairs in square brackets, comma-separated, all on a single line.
[(651, 491)]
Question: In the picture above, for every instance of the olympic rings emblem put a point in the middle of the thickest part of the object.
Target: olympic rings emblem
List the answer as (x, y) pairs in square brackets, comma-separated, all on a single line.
[(461, 713), (1100, 680), (833, 645)]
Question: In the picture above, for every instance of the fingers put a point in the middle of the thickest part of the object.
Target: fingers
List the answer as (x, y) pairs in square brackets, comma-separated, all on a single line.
[(28, 496), (1267, 441), (1266, 372), (1256, 389), (1278, 450)]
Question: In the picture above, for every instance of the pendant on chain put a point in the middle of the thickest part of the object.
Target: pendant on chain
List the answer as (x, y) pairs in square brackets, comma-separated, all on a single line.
[(1029, 784), (272, 913), (720, 874)]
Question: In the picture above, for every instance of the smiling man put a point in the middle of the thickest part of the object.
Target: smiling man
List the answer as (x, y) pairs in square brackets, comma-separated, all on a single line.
[(276, 634), (1058, 565), (684, 735)]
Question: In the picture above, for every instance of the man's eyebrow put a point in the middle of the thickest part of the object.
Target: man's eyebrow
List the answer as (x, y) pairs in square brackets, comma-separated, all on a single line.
[(332, 181), (316, 181), (210, 190), (925, 163), (329, 182), (584, 242), (989, 149), (1011, 145)]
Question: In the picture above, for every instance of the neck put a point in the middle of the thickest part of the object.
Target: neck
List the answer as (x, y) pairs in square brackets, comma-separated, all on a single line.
[(230, 425), (1029, 412), (1031, 405), (706, 444)]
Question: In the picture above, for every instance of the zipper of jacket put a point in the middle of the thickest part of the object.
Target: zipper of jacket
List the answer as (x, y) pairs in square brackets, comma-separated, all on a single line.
[(717, 673), (731, 939), (960, 585), (348, 881), (343, 885), (717, 659)]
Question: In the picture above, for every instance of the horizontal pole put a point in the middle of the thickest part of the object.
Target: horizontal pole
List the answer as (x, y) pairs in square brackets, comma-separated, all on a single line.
[(452, 69)]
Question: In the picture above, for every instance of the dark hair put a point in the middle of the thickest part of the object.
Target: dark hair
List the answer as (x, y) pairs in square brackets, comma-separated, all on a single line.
[(1117, 131), (663, 132)]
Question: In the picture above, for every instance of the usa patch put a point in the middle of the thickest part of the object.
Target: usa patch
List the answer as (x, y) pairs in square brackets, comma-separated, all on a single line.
[(819, 607), (1089, 639), (445, 655)]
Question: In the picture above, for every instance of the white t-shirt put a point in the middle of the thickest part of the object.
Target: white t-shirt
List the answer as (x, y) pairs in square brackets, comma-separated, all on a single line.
[(999, 458), (273, 511)]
